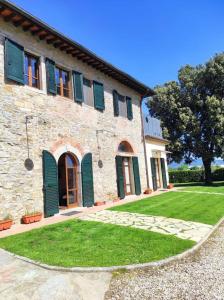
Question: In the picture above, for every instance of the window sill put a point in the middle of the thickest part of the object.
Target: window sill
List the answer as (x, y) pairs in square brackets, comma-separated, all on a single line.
[(33, 89)]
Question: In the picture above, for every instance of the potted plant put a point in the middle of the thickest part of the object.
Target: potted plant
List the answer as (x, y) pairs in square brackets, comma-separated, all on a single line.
[(170, 186), (6, 223), (31, 217), (148, 191)]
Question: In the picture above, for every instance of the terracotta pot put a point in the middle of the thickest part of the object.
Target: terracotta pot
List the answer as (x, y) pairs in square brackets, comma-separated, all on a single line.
[(6, 224), (98, 203), (32, 218), (37, 217), (170, 186), (147, 191)]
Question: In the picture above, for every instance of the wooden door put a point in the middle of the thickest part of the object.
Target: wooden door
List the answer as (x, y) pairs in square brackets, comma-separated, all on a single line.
[(71, 181), (127, 176), (157, 162)]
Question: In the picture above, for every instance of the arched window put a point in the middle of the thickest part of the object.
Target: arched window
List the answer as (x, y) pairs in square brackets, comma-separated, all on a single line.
[(125, 147)]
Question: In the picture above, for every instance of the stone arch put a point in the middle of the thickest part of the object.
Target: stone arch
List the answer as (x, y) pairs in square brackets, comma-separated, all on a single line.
[(125, 147)]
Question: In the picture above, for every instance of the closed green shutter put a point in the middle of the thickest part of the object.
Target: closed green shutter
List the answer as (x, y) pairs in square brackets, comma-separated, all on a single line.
[(50, 188), (98, 92), (78, 86), (153, 171), (163, 168), (115, 102), (120, 177), (129, 108), (51, 81), (87, 181), (14, 61), (136, 175)]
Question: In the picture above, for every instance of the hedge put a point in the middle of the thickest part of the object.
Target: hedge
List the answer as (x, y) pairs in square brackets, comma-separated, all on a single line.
[(179, 176)]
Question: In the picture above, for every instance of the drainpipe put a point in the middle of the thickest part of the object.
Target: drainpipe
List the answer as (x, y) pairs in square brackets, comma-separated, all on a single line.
[(144, 144)]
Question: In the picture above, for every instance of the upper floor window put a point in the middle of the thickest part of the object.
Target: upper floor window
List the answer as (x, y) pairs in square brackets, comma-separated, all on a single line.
[(62, 82), (31, 68), (88, 92), (122, 106)]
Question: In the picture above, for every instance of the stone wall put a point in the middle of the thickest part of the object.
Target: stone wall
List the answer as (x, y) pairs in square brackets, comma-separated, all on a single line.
[(54, 123)]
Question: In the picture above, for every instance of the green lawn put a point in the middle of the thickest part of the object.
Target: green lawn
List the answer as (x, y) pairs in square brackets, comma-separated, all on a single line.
[(81, 243), (202, 208), (216, 187)]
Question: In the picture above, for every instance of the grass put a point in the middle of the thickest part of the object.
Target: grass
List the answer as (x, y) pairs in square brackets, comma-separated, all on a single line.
[(215, 187), (202, 208), (83, 243)]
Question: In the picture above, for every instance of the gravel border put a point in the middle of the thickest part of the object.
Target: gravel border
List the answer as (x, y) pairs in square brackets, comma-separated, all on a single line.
[(159, 263)]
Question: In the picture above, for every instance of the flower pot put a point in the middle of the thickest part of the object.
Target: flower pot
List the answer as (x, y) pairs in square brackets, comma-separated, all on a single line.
[(32, 218), (98, 203), (170, 186), (147, 191), (5, 224), (37, 217)]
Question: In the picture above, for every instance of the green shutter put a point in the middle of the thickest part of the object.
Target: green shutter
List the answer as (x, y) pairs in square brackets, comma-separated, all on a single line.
[(78, 86), (120, 177), (14, 61), (87, 181), (136, 175), (153, 171), (98, 92), (163, 168), (50, 188), (129, 108), (115, 102), (51, 81)]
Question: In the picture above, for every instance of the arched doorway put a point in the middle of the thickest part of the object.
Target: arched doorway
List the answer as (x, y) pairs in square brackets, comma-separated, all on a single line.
[(68, 180)]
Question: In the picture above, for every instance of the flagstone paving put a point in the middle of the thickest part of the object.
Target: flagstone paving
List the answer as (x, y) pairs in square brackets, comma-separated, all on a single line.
[(182, 229)]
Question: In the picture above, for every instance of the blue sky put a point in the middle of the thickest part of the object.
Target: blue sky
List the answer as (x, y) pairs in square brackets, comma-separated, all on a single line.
[(148, 39)]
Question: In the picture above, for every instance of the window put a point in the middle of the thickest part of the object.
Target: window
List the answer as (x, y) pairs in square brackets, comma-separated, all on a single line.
[(31, 68), (122, 106), (62, 82), (88, 92)]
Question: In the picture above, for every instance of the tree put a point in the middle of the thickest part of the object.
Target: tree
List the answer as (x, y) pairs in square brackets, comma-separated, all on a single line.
[(191, 111)]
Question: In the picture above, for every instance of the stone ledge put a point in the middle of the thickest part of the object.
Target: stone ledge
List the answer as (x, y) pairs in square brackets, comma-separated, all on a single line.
[(163, 262)]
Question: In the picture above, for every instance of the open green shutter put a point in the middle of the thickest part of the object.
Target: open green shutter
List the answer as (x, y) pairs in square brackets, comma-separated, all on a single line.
[(87, 181), (163, 168), (50, 72), (115, 102), (120, 177), (153, 171), (98, 92), (14, 61), (129, 108), (50, 187), (136, 175), (78, 86)]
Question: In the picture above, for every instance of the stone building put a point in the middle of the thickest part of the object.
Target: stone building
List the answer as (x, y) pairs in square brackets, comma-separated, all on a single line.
[(70, 123)]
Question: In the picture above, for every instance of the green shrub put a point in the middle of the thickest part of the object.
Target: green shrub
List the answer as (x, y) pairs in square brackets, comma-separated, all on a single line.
[(218, 174), (179, 176)]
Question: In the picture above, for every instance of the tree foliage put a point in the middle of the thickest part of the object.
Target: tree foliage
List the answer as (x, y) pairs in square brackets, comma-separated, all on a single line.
[(191, 111)]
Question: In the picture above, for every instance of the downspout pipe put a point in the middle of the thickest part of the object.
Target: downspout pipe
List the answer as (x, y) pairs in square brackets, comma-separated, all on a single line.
[(144, 142)]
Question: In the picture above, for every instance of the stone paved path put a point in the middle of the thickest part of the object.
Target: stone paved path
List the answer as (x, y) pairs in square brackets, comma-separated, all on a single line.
[(20, 280), (182, 229), (200, 277)]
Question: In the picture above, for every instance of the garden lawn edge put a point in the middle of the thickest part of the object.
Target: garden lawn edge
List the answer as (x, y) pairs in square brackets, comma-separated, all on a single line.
[(154, 264)]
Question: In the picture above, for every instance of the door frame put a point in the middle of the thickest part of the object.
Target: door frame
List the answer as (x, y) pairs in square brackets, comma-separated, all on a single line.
[(75, 168), (124, 175)]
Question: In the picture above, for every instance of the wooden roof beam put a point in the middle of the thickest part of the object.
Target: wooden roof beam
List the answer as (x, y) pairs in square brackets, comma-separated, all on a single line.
[(18, 22), (51, 39), (42, 35), (26, 27), (9, 17)]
